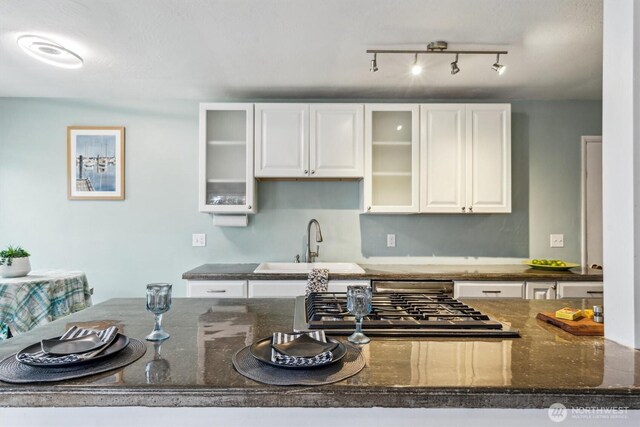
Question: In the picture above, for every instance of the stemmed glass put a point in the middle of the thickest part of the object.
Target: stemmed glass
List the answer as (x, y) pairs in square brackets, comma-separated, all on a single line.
[(158, 302), (359, 304)]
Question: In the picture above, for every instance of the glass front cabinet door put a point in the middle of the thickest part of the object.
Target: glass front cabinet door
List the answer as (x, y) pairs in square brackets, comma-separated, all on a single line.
[(391, 158), (227, 183)]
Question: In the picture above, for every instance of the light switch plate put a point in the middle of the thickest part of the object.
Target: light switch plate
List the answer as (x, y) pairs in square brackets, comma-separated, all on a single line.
[(557, 240), (391, 240), (198, 239)]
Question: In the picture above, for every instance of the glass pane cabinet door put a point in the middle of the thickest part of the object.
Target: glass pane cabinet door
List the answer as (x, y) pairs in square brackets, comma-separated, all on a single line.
[(227, 159), (391, 179)]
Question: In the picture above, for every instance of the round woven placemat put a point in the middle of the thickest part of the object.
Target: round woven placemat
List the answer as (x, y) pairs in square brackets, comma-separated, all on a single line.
[(12, 371), (250, 367)]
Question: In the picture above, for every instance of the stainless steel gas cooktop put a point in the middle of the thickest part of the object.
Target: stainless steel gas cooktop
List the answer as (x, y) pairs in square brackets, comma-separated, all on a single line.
[(398, 314)]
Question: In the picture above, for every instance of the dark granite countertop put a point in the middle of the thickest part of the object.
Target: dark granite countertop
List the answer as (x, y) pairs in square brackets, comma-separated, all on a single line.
[(544, 366), (403, 272)]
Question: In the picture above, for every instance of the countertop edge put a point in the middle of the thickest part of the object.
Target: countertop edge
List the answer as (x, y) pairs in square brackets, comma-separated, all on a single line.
[(321, 397), (245, 272)]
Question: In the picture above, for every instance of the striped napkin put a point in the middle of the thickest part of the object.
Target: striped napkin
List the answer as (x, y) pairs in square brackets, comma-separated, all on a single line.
[(283, 359), (105, 335)]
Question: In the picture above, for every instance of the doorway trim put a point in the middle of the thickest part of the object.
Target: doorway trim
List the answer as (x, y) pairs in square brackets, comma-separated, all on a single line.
[(583, 189)]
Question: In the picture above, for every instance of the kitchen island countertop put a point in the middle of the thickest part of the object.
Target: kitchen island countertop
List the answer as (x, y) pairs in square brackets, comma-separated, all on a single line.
[(518, 272), (193, 368)]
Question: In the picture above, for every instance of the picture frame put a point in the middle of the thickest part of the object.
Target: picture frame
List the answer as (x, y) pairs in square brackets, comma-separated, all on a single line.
[(95, 162)]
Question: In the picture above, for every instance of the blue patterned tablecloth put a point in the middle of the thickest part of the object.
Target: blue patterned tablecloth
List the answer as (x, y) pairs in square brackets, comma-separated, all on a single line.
[(41, 297)]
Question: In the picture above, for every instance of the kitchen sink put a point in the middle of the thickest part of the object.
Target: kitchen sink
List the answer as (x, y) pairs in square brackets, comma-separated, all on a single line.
[(305, 267)]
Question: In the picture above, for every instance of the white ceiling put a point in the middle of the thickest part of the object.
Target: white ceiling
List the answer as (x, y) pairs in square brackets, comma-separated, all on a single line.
[(252, 49)]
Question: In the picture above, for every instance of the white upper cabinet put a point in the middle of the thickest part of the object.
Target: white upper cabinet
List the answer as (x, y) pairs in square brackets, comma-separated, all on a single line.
[(282, 140), (336, 143), (392, 161), (488, 158), (309, 141), (226, 182), (442, 156), (465, 158)]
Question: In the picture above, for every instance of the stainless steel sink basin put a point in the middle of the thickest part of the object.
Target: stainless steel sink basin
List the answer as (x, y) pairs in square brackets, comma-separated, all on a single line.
[(305, 267)]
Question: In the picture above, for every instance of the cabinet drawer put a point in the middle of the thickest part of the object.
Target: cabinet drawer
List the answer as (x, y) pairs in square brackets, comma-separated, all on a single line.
[(217, 288), (276, 288), (341, 285), (488, 289), (580, 290), (294, 288)]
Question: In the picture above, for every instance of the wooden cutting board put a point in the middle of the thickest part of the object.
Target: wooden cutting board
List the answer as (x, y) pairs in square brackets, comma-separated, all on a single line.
[(581, 326)]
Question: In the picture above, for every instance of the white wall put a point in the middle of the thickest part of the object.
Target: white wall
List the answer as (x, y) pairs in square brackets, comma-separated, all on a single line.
[(621, 170)]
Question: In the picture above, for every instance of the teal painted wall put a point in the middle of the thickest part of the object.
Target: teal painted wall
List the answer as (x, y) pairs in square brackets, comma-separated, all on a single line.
[(122, 245)]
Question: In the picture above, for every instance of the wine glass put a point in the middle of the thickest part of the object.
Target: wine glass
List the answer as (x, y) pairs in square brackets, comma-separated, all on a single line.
[(158, 302), (359, 304)]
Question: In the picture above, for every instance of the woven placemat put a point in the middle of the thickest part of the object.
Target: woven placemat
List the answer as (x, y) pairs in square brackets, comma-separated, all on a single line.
[(12, 371), (250, 367)]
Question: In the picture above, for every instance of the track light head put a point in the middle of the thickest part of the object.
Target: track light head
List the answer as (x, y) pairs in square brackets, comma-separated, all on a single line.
[(497, 67), (454, 66), (416, 69), (374, 64)]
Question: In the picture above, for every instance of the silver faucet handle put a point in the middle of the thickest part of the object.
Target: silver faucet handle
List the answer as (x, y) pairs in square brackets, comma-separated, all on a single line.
[(313, 255)]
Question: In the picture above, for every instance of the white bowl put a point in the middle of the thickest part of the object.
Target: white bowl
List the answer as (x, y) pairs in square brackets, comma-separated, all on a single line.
[(19, 267)]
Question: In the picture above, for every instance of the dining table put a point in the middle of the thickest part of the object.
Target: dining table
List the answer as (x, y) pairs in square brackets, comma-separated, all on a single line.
[(40, 297)]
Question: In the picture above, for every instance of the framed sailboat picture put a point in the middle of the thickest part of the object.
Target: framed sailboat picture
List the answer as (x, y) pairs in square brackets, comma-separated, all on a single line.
[(95, 169)]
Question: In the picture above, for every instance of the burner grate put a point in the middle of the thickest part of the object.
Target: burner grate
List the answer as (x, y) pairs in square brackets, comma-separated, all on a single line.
[(328, 310)]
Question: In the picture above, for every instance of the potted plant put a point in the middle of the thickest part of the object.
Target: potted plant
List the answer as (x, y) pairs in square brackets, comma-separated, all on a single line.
[(14, 262)]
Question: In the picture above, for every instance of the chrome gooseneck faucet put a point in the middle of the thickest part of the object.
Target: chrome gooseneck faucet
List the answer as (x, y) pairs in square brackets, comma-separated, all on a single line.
[(310, 254)]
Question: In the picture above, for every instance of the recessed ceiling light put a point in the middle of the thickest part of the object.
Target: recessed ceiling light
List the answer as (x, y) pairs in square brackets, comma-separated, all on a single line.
[(49, 52)]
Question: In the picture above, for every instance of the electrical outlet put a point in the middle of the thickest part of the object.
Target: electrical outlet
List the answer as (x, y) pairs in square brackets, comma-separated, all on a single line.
[(391, 240), (198, 239), (557, 240)]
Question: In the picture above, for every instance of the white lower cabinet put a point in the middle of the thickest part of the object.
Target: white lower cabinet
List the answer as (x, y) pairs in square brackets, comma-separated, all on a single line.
[(217, 289), (466, 289), (540, 290), (488, 289), (580, 290), (294, 288)]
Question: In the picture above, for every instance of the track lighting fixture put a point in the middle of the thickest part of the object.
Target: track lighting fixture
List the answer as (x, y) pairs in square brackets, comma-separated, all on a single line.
[(497, 67), (438, 47), (454, 66), (374, 64), (416, 68)]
